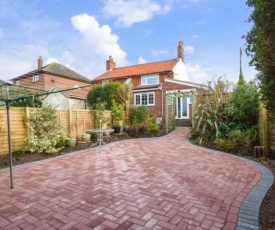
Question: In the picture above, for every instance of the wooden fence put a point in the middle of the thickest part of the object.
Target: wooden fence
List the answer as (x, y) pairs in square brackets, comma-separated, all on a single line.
[(74, 122), (266, 131)]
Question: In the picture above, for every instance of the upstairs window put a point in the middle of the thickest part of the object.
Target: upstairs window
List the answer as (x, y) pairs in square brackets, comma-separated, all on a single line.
[(35, 78), (150, 79)]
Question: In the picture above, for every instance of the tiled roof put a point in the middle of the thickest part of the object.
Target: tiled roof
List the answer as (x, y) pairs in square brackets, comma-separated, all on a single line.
[(76, 93), (140, 69), (57, 69)]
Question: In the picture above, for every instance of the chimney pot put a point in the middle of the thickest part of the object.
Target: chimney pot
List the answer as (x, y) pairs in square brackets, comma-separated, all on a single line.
[(110, 64), (40, 62), (180, 50)]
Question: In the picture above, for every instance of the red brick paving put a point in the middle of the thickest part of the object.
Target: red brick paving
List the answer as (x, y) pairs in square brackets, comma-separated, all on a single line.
[(157, 183)]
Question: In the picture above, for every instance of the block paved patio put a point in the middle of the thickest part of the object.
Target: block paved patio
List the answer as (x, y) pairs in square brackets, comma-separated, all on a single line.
[(154, 183)]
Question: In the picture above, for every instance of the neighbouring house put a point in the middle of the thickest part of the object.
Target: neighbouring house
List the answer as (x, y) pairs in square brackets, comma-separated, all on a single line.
[(151, 81), (56, 77)]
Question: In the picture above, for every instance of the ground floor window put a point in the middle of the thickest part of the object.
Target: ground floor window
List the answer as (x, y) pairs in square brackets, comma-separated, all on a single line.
[(144, 99)]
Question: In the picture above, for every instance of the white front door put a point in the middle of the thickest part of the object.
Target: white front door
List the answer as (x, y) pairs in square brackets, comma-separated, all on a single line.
[(182, 107)]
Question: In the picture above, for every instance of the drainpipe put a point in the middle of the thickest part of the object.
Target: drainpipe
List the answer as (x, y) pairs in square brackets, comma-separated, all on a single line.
[(161, 89)]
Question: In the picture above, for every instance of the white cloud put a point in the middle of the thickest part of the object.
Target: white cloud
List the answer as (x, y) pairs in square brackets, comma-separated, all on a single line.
[(196, 73), (49, 60), (68, 57), (195, 36), (1, 33), (130, 12), (189, 49), (97, 40), (158, 52), (141, 60)]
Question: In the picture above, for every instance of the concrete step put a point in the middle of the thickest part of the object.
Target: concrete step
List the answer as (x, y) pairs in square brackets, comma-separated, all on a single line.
[(183, 123)]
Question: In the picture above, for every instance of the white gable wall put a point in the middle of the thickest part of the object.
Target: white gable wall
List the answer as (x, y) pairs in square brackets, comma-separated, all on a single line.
[(180, 71)]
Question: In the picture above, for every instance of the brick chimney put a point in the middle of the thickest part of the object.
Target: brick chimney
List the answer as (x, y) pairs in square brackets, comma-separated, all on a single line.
[(181, 51), (40, 62), (110, 64)]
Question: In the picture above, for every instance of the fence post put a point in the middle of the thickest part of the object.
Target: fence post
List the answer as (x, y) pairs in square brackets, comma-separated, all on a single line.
[(27, 111), (265, 132), (70, 121), (77, 123)]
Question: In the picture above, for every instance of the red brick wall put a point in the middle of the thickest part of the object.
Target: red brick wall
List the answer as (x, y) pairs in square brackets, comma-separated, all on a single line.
[(159, 98), (27, 81), (47, 81)]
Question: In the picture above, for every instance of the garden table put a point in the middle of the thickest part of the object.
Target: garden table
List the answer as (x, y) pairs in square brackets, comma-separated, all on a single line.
[(99, 133)]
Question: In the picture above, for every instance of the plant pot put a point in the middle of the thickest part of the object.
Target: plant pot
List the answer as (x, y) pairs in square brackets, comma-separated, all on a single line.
[(125, 129), (70, 142), (85, 137), (117, 129)]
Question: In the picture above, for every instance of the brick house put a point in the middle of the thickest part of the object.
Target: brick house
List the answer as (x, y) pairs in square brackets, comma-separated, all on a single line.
[(56, 77), (151, 81)]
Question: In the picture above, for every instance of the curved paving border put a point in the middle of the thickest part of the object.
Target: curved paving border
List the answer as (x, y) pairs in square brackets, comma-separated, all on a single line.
[(250, 208)]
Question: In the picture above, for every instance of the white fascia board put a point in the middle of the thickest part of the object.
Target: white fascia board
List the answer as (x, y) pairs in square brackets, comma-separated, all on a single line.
[(144, 90), (184, 83)]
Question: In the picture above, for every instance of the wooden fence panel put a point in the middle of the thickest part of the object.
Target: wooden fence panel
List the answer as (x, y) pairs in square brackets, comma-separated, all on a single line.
[(266, 131), (74, 122), (271, 136)]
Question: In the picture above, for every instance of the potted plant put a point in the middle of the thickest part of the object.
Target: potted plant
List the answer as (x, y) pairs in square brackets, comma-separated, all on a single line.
[(70, 142), (118, 115), (85, 137), (125, 128), (116, 127)]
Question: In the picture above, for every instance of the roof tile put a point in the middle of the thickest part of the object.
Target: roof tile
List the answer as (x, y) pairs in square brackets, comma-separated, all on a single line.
[(140, 69)]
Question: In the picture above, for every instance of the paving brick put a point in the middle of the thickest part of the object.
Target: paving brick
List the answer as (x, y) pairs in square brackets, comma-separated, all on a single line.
[(153, 183)]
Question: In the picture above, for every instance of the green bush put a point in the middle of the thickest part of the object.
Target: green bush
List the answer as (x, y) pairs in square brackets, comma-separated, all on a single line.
[(19, 152), (139, 114), (223, 144), (245, 105), (152, 128), (46, 135), (118, 113), (105, 94)]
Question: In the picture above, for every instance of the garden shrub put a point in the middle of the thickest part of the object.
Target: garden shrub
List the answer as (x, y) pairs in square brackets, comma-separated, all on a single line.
[(211, 112), (46, 135), (152, 128), (245, 104), (223, 144), (227, 120), (136, 131), (139, 114)]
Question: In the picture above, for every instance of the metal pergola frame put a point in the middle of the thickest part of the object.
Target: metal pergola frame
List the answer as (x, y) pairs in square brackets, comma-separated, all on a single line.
[(8, 101)]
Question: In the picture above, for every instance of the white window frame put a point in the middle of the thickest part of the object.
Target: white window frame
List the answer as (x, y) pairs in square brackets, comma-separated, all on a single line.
[(17, 82), (35, 78), (140, 99), (145, 80)]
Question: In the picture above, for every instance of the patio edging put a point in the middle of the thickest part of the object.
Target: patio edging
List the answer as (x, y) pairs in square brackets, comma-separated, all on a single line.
[(248, 216)]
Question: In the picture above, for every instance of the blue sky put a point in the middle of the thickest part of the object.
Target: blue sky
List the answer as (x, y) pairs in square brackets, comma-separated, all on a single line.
[(81, 34)]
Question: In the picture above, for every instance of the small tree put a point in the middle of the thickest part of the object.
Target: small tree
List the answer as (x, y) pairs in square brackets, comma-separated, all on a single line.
[(139, 114), (46, 135), (245, 105), (117, 112)]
